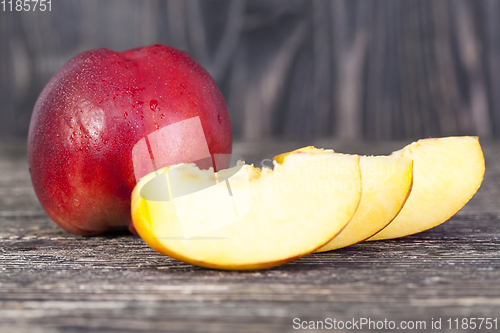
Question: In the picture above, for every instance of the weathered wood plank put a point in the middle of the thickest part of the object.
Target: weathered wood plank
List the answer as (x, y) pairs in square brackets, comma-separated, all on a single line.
[(367, 69), (53, 281)]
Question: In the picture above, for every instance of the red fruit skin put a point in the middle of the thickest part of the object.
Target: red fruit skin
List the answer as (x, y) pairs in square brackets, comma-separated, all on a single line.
[(91, 114)]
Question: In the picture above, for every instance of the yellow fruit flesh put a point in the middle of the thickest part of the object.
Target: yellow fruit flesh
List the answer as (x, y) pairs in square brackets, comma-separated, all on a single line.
[(288, 220), (295, 209), (281, 157), (447, 172), (386, 184)]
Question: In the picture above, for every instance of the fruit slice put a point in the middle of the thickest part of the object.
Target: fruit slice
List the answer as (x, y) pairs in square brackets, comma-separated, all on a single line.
[(447, 172), (386, 184), (281, 157), (247, 218)]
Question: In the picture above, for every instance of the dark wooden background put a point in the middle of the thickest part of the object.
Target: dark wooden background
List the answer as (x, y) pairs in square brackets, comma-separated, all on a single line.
[(293, 72), (297, 69)]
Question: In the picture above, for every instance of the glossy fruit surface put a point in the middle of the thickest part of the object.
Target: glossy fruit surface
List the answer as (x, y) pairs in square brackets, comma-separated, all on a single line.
[(93, 112)]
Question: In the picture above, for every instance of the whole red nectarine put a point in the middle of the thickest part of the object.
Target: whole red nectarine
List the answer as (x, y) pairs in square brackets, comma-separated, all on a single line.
[(91, 114)]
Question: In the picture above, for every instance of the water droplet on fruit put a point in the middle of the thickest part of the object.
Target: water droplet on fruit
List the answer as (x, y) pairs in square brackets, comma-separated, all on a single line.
[(77, 203), (125, 115), (162, 116), (219, 118), (154, 105)]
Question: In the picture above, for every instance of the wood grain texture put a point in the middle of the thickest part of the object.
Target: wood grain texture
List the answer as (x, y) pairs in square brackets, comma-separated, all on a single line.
[(357, 69), (52, 281)]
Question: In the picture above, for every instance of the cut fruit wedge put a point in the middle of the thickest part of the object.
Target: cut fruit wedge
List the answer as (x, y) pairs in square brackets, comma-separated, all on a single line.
[(281, 157), (386, 185), (447, 172), (244, 217)]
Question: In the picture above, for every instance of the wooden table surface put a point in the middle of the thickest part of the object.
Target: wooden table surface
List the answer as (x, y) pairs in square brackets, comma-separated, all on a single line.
[(52, 281)]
